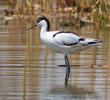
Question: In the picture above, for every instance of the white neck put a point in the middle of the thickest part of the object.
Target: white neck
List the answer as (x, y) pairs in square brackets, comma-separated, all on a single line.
[(43, 31), (44, 28)]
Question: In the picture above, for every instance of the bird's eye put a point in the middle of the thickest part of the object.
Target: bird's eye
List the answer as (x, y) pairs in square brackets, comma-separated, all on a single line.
[(38, 21)]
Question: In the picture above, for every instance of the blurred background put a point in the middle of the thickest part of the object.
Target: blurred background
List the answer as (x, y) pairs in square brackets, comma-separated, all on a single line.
[(31, 71), (87, 11)]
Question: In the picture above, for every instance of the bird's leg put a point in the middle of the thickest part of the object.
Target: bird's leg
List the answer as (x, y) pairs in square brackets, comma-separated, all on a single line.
[(67, 65), (67, 68)]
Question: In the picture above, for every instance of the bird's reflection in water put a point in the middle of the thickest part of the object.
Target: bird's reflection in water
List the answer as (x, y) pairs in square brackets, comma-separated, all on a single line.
[(66, 81), (72, 92)]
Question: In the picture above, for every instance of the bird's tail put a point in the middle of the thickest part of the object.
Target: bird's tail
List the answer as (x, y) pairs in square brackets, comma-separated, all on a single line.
[(91, 42)]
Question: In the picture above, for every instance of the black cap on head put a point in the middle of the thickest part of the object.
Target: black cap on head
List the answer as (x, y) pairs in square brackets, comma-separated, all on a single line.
[(44, 18)]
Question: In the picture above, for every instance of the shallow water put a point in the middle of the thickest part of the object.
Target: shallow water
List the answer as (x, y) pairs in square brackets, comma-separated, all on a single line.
[(30, 71)]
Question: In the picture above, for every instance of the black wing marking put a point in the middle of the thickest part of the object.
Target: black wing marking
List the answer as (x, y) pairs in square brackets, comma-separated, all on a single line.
[(65, 32), (81, 39), (71, 44)]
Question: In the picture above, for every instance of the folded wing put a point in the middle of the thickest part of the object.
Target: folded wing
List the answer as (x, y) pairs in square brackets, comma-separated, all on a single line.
[(67, 38)]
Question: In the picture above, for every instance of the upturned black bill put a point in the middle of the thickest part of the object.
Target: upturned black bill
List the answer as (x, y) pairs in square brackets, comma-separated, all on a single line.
[(31, 27)]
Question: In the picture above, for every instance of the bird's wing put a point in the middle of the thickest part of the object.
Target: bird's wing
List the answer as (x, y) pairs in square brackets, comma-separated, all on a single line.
[(67, 38)]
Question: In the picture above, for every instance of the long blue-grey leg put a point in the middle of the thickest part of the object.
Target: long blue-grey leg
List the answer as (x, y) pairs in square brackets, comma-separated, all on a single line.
[(67, 65)]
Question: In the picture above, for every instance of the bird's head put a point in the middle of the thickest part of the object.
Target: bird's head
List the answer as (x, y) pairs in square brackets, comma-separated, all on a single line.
[(41, 21)]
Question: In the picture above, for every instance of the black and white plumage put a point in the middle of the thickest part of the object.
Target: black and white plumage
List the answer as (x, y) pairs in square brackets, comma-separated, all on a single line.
[(63, 41)]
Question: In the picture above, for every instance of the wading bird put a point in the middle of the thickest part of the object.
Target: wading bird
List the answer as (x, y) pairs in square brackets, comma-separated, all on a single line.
[(64, 42)]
